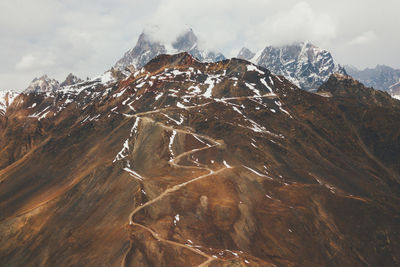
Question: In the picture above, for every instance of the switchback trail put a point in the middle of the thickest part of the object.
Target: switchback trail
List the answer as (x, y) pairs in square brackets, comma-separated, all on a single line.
[(175, 162)]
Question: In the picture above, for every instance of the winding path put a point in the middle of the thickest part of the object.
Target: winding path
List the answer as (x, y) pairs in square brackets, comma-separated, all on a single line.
[(175, 162)]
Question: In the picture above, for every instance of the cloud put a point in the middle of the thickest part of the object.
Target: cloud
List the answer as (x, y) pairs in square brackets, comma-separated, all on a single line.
[(30, 62), (301, 23), (88, 37), (364, 38)]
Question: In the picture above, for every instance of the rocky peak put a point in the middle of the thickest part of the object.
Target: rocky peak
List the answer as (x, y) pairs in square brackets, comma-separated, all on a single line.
[(71, 80), (146, 49), (186, 41), (304, 64), (44, 84), (246, 54)]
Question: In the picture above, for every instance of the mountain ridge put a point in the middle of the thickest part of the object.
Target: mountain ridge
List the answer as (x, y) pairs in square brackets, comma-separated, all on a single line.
[(190, 163)]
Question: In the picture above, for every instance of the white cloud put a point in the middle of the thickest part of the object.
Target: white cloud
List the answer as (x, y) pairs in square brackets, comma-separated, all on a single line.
[(364, 38), (31, 62), (26, 62), (301, 23), (87, 37)]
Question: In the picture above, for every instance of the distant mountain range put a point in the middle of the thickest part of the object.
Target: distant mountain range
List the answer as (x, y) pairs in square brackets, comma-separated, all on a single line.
[(381, 77), (304, 64)]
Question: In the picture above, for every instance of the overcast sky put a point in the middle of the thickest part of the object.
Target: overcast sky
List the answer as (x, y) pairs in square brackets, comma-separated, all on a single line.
[(87, 37)]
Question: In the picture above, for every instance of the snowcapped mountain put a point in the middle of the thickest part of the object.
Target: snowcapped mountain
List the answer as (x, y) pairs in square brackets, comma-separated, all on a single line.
[(303, 63), (6, 99), (381, 77), (146, 49), (42, 84)]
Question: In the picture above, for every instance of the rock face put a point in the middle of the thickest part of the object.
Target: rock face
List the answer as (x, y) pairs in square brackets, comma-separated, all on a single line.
[(303, 64), (187, 164), (146, 49), (381, 77), (43, 85), (6, 99), (71, 80)]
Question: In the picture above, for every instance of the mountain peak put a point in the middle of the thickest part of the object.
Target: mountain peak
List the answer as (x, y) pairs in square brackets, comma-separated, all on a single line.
[(71, 79), (147, 49), (246, 54), (186, 41), (303, 63), (43, 84)]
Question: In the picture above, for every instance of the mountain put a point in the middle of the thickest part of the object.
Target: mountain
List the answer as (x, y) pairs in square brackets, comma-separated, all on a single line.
[(303, 64), (147, 48), (70, 80), (381, 77), (185, 163), (43, 84), (6, 99), (246, 54)]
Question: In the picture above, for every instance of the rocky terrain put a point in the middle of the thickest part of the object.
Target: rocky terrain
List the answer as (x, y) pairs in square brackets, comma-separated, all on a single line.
[(184, 163), (304, 64)]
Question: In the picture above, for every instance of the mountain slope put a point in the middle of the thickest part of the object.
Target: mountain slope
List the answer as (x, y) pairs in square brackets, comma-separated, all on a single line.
[(303, 64), (185, 163)]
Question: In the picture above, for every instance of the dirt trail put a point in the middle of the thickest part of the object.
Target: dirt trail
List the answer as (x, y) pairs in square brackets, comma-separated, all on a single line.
[(175, 162)]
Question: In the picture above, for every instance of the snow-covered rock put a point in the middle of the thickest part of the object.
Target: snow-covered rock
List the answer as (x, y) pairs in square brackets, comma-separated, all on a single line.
[(303, 63), (6, 99), (43, 85)]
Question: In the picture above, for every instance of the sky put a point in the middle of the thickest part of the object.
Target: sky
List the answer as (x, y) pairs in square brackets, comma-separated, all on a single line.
[(57, 37)]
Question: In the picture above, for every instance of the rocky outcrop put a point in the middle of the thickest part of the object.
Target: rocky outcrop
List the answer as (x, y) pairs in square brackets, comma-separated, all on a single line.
[(70, 80)]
